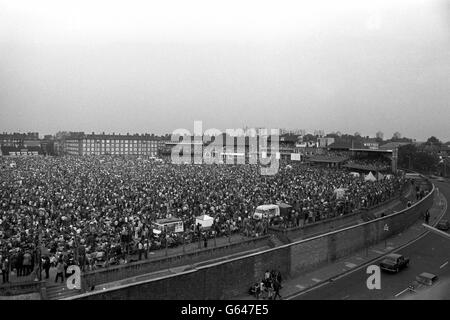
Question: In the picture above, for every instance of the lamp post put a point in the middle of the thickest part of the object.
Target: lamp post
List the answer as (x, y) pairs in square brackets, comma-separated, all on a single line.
[(386, 229)]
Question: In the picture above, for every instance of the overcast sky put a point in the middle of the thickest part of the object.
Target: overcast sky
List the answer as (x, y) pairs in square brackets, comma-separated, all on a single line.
[(143, 66)]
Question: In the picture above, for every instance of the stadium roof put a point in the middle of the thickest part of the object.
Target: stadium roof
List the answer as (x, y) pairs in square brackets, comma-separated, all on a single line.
[(371, 150), (365, 167), (326, 159), (393, 145), (345, 145)]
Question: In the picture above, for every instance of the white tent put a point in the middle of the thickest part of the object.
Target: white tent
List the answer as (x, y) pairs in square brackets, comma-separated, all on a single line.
[(204, 220), (370, 177), (355, 174), (380, 176)]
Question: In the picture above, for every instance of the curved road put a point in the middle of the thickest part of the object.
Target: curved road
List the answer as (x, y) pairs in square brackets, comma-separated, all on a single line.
[(429, 254)]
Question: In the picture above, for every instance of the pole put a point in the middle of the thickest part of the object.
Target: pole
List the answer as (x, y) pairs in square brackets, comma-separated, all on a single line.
[(166, 246)]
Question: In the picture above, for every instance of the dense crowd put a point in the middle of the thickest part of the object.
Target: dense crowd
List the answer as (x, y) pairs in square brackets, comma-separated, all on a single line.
[(105, 206)]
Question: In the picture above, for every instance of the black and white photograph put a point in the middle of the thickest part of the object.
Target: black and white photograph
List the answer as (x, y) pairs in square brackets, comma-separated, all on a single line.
[(222, 155)]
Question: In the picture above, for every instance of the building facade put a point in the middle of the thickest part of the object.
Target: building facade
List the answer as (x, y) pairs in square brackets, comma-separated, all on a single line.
[(19, 140), (112, 144)]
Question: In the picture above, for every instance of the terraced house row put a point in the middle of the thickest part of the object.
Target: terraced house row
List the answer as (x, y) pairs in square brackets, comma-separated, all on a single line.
[(112, 144)]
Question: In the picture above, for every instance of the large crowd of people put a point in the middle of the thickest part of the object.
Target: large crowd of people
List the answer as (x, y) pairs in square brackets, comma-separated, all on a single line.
[(89, 208)]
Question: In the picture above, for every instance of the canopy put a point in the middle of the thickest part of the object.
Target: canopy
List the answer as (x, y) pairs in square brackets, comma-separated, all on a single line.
[(355, 174), (204, 220), (370, 177)]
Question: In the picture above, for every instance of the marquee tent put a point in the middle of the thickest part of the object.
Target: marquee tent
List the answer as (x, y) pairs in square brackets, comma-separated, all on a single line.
[(204, 220), (370, 177)]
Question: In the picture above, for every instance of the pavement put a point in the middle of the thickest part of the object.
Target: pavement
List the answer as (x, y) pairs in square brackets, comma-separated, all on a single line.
[(346, 278)]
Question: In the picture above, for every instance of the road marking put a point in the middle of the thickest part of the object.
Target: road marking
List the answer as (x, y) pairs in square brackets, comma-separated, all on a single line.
[(376, 251), (359, 258), (401, 292), (300, 287), (316, 280), (390, 248), (446, 262), (346, 297), (350, 265)]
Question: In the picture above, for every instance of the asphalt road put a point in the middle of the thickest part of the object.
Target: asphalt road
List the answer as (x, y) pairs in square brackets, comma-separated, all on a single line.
[(429, 254)]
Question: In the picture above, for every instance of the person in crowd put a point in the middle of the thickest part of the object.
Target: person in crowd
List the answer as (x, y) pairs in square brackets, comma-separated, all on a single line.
[(5, 267), (19, 263), (427, 216), (141, 249), (27, 263), (46, 266), (276, 288), (60, 270)]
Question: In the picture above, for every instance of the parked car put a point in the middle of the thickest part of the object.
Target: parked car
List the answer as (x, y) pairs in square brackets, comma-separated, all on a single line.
[(394, 263), (443, 225), (441, 179), (427, 278)]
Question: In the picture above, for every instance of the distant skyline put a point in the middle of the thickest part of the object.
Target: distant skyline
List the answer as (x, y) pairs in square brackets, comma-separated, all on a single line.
[(152, 67)]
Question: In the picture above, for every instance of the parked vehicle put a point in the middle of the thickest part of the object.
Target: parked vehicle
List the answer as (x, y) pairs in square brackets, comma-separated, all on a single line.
[(427, 278), (394, 263), (267, 211), (443, 225)]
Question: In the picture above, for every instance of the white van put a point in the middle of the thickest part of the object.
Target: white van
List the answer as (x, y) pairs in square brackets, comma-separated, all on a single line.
[(266, 211)]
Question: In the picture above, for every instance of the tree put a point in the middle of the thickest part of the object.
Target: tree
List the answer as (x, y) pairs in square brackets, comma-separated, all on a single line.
[(309, 137), (410, 157), (396, 136), (433, 141), (332, 135)]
